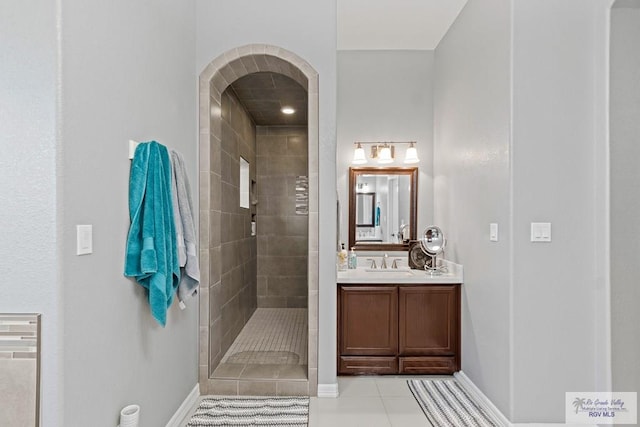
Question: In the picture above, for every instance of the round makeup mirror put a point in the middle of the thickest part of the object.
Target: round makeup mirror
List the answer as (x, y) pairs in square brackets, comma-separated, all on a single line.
[(432, 244)]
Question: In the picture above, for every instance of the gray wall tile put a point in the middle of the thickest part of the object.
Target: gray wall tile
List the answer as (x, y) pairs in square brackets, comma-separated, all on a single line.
[(233, 300), (282, 235)]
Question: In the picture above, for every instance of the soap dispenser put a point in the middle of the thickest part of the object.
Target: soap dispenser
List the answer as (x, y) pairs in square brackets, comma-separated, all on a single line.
[(342, 258), (353, 259)]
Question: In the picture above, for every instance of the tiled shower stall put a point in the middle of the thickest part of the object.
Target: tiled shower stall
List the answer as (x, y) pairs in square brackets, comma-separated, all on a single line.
[(275, 271)]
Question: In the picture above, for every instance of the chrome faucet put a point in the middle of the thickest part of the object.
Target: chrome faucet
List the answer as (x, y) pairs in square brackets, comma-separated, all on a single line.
[(373, 262), (383, 264), (395, 262)]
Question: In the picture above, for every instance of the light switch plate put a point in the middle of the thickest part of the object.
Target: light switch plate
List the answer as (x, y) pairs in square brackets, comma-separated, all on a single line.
[(493, 232), (84, 239), (540, 231)]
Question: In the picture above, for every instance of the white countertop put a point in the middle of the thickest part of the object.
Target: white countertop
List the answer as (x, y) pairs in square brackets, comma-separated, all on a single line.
[(453, 274)]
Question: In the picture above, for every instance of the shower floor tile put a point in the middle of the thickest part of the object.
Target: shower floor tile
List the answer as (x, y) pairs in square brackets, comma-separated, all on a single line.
[(272, 345)]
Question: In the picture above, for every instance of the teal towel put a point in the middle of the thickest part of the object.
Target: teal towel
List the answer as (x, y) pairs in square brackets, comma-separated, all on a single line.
[(151, 253)]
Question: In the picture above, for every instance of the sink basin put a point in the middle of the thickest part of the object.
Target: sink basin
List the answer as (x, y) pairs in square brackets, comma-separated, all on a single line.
[(388, 270), (401, 275)]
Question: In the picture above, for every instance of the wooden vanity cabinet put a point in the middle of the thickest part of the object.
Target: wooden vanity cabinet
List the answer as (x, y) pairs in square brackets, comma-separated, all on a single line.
[(429, 329), (391, 329), (368, 328)]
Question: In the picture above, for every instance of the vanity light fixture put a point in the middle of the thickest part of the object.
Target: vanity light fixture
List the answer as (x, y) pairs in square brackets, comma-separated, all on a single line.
[(359, 156), (383, 152), (384, 155), (411, 156), (287, 110)]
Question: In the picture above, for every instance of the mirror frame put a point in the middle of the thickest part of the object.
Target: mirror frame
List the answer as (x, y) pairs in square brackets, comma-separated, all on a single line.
[(354, 172)]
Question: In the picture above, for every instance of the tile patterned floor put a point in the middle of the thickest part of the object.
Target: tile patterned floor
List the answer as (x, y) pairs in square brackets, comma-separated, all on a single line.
[(368, 401), (381, 401), (272, 345), (272, 335)]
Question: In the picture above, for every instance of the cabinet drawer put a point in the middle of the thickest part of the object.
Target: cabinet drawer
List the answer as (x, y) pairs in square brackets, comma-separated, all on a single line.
[(428, 365), (368, 365)]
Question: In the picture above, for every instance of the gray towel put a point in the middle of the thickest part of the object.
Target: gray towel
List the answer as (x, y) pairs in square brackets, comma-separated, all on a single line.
[(185, 230)]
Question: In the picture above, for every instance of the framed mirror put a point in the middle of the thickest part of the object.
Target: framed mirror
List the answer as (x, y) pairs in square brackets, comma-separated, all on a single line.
[(382, 207)]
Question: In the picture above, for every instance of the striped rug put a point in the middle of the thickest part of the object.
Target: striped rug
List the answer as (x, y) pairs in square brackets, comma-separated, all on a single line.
[(447, 404), (252, 411)]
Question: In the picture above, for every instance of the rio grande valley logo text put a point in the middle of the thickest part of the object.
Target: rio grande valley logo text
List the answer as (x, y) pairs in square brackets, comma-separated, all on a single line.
[(599, 408)]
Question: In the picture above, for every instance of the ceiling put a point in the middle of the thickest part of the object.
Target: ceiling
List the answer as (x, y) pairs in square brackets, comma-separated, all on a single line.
[(362, 25), (263, 94), (394, 24)]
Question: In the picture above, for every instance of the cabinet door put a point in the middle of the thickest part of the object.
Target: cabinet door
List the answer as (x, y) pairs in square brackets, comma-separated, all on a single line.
[(368, 320), (429, 319)]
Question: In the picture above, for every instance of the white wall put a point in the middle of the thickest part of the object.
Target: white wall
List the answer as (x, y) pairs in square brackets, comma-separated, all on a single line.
[(546, 171), (309, 31), (555, 286), (386, 95), (127, 73), (472, 108), (28, 221), (625, 199)]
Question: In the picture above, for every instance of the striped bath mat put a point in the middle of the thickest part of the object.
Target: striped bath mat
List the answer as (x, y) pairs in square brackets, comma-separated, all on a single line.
[(447, 404), (252, 411)]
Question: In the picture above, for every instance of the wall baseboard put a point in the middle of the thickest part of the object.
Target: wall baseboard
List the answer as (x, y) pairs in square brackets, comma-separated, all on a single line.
[(185, 407), (487, 404), (328, 390), (484, 400)]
